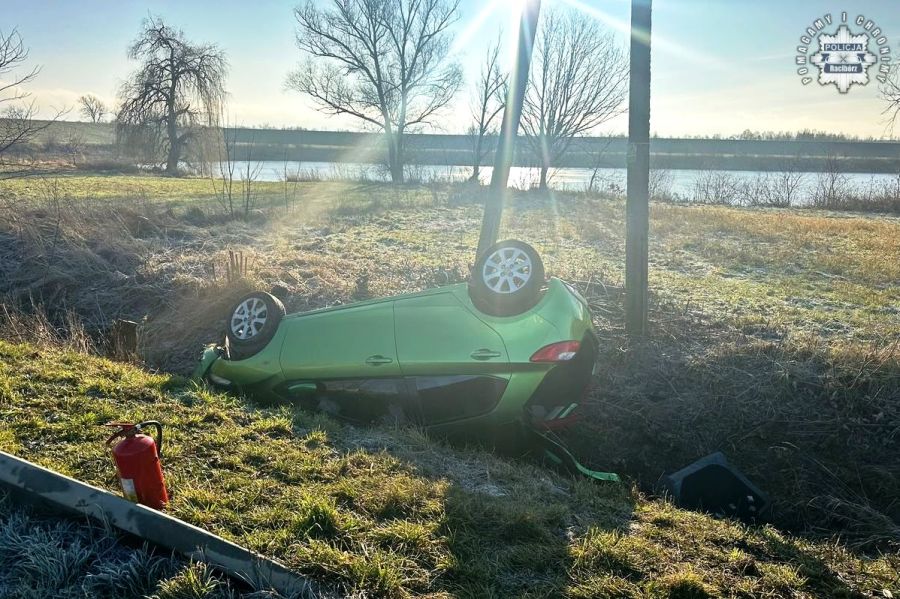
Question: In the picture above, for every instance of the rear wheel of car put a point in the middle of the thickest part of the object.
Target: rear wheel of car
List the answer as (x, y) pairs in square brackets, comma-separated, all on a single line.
[(507, 279), (252, 323)]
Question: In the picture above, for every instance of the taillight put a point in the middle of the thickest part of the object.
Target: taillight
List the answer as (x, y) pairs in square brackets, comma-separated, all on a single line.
[(557, 352)]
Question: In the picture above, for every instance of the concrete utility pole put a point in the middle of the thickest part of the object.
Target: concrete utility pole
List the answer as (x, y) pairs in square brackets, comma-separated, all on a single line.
[(637, 206), (512, 113)]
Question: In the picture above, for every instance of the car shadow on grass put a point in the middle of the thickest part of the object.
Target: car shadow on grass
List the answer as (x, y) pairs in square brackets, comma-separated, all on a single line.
[(508, 544), (510, 525)]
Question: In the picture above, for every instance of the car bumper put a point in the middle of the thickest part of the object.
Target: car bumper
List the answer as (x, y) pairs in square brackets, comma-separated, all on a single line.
[(554, 404), (210, 354)]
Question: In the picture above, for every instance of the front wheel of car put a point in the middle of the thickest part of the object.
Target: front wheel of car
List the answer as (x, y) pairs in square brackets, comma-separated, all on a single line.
[(252, 323), (507, 279)]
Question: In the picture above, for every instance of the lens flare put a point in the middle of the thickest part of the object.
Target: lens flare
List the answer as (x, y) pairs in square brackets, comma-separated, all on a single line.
[(661, 44)]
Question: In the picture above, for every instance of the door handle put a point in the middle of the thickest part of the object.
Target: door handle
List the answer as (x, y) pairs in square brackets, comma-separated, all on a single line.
[(485, 354), (378, 360)]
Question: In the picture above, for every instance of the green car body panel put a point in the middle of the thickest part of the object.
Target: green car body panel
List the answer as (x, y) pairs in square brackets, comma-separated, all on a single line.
[(427, 339)]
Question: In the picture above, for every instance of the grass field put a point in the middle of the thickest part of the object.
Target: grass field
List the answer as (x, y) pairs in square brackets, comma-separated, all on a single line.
[(390, 513), (775, 337)]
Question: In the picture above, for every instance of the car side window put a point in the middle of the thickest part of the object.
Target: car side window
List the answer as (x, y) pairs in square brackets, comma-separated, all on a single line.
[(445, 398), (358, 400)]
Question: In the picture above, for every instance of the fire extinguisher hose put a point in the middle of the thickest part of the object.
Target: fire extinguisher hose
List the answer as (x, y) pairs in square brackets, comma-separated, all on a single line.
[(126, 428), (159, 434)]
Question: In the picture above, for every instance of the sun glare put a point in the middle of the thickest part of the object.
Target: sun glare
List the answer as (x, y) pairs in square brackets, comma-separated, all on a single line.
[(464, 38), (659, 43)]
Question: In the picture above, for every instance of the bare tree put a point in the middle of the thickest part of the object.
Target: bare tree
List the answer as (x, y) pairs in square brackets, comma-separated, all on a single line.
[(74, 146), (290, 178), (92, 108), (178, 86), (599, 163), (787, 185), (579, 80), (832, 186), (487, 104), (717, 187), (18, 112), (384, 62), (249, 174), (753, 190), (225, 166), (660, 184), (890, 93)]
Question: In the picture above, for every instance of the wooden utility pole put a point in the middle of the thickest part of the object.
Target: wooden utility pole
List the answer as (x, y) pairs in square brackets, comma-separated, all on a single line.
[(637, 206), (512, 113)]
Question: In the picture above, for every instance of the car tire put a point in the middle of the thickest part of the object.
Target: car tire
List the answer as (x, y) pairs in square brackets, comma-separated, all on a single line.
[(507, 279), (251, 323)]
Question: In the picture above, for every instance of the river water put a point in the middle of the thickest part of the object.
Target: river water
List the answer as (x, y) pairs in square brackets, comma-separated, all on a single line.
[(677, 183)]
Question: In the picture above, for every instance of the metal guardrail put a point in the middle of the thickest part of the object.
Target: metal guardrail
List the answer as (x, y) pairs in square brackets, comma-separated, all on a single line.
[(46, 486)]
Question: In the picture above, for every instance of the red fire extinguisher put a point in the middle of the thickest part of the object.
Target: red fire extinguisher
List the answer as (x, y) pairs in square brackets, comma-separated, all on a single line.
[(137, 462)]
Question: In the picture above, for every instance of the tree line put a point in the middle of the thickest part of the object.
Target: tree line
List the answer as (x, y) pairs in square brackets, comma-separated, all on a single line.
[(385, 63)]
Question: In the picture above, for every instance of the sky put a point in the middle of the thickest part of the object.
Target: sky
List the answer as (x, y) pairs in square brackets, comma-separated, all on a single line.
[(718, 66)]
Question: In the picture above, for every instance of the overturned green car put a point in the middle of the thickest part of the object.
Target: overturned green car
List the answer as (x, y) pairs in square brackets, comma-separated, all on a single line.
[(507, 348)]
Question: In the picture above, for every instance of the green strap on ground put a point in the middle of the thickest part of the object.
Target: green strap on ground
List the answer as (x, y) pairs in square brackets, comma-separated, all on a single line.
[(557, 453)]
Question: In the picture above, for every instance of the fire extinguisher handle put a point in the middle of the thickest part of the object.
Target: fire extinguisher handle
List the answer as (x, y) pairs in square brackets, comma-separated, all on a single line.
[(159, 434), (124, 428)]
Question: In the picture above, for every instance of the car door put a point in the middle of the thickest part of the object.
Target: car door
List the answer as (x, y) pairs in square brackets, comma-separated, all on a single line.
[(352, 342), (458, 364), (344, 362)]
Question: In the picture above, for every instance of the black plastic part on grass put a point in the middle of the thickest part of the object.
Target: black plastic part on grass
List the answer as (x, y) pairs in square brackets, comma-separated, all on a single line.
[(712, 485)]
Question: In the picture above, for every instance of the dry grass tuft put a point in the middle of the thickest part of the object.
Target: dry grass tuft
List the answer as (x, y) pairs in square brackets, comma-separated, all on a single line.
[(33, 326)]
